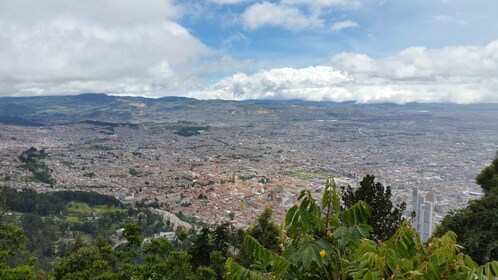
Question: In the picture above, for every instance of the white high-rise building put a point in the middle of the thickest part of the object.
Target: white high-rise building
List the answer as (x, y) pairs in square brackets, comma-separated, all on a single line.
[(424, 214)]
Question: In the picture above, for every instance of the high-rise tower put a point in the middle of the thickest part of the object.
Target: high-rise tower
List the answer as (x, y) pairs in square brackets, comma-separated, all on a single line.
[(424, 214)]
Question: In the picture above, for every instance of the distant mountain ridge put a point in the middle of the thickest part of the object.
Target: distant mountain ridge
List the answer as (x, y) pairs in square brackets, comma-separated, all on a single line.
[(100, 107)]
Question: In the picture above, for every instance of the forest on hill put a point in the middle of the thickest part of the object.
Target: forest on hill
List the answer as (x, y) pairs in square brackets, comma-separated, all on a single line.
[(52, 221), (319, 239)]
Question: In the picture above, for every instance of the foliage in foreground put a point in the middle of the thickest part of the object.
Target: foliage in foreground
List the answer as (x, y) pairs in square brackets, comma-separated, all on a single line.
[(157, 259), (326, 242), (15, 263)]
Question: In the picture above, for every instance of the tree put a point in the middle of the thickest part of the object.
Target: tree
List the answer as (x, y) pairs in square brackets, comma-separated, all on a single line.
[(85, 263), (386, 218), (266, 231), (205, 273), (133, 234), (217, 264), (488, 178), (178, 266), (78, 243), (202, 247), (157, 249), (221, 239), (156, 252), (106, 252), (15, 263), (476, 225)]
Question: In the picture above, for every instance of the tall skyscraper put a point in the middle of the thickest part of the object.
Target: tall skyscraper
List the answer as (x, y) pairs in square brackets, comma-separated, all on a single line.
[(424, 214)]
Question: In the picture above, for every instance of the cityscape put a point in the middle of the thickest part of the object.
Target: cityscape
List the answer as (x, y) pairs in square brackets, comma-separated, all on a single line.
[(248, 139), (243, 157)]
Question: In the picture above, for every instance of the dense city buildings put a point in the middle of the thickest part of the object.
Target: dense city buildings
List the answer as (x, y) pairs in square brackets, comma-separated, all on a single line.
[(216, 161)]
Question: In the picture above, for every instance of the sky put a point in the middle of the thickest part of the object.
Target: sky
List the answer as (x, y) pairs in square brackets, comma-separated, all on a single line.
[(368, 51)]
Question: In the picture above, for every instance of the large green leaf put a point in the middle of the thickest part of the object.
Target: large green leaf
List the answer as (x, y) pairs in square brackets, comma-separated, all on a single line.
[(234, 271), (277, 266), (307, 254), (359, 213)]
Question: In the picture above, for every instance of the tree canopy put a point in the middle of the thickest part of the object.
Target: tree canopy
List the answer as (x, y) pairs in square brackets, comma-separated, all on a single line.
[(488, 178), (386, 217), (266, 231), (15, 263)]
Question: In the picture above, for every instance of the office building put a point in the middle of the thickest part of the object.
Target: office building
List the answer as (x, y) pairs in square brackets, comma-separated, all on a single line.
[(424, 214)]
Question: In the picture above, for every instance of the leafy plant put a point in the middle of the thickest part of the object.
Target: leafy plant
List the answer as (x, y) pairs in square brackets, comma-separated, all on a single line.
[(328, 242), (403, 256), (319, 240)]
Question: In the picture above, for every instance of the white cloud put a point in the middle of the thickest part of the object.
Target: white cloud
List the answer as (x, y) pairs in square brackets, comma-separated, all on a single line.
[(323, 3), (110, 11), (281, 83), (270, 14), (344, 24), (114, 46), (459, 74), (422, 64)]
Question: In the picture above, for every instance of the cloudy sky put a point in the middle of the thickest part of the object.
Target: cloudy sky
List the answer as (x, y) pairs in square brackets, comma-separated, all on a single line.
[(362, 50)]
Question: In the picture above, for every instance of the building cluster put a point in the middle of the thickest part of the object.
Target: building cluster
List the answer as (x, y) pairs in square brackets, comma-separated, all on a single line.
[(248, 160)]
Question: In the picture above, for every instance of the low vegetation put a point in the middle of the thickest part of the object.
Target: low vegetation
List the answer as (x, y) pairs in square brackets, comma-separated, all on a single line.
[(51, 221), (182, 128), (32, 160)]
